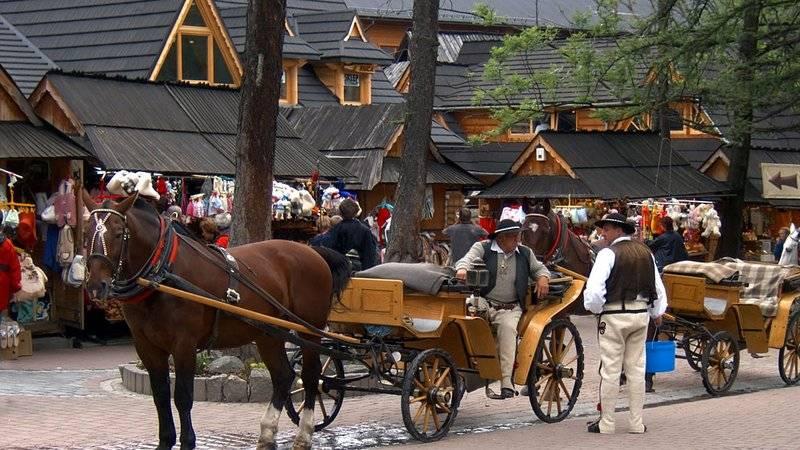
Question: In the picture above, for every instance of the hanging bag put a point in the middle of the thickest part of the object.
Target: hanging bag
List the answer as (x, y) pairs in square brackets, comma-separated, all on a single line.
[(77, 272), (66, 246), (33, 281)]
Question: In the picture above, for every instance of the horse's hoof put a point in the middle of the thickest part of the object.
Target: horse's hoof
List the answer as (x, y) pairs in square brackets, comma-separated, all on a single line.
[(301, 446), (189, 446), (165, 446), (263, 446)]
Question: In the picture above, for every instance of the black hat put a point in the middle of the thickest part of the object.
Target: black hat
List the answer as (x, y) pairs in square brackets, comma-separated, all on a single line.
[(617, 219), (506, 226)]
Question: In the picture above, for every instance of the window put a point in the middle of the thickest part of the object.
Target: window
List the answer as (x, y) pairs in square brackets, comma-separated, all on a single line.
[(566, 121), (522, 127), (284, 91), (352, 88), (674, 120), (194, 54)]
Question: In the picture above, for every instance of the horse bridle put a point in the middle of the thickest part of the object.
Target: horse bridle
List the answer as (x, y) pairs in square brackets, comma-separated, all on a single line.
[(556, 248), (100, 230)]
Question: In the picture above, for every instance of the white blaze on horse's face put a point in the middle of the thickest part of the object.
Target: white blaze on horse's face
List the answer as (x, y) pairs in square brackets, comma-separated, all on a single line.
[(789, 255)]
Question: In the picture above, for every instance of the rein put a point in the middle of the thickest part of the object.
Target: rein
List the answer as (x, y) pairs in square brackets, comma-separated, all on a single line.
[(557, 246)]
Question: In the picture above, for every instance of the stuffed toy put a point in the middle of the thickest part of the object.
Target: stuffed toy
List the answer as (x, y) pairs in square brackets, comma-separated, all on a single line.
[(307, 202), (283, 209), (711, 223)]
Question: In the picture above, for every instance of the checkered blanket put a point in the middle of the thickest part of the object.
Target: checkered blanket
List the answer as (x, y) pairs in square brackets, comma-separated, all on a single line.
[(763, 282), (715, 272)]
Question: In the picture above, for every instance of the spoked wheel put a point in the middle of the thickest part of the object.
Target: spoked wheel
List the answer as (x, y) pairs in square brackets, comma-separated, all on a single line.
[(693, 347), (431, 395), (788, 356), (329, 395), (556, 374), (720, 363)]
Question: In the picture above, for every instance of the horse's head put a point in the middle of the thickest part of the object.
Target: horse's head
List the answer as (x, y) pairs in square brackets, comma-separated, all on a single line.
[(107, 236), (789, 255), (537, 232)]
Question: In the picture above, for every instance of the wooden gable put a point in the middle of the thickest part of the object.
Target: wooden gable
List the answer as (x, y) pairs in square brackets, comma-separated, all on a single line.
[(394, 149), (529, 163), (356, 31), (211, 27), (50, 106), (13, 105)]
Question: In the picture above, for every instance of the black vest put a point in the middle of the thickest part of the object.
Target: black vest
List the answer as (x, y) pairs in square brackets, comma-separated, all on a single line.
[(523, 271), (632, 275)]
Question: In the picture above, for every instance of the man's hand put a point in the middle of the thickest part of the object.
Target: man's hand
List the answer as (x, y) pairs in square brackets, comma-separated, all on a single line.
[(542, 286), (658, 321), (461, 274)]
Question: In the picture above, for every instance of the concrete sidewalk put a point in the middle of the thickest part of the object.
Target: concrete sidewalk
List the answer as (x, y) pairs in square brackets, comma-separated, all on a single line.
[(87, 409)]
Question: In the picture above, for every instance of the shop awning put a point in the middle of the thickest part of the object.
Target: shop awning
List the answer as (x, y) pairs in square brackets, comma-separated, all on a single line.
[(25, 140)]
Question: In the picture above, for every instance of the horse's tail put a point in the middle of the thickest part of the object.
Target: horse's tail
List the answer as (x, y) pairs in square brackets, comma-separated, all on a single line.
[(340, 269)]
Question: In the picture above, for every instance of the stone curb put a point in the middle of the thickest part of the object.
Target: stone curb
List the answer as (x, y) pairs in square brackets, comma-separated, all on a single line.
[(217, 388)]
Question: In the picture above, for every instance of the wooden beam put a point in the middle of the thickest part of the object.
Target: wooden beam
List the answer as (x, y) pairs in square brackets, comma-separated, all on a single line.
[(16, 96), (239, 311)]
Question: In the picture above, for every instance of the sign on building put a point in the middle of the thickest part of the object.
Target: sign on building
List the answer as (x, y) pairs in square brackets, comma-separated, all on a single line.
[(780, 180)]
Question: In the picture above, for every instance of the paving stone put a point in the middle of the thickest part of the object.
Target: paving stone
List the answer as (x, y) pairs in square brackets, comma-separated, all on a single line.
[(234, 390)]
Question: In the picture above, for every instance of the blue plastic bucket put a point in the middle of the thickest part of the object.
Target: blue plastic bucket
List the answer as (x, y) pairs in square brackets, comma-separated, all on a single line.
[(660, 356)]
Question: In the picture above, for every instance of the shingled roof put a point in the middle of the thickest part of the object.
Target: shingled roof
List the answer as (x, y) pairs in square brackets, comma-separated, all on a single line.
[(173, 128), (114, 37), (457, 84), (617, 165), (327, 32), (25, 63), (358, 136)]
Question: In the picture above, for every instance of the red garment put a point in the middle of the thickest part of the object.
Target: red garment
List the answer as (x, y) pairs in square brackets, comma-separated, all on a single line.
[(383, 215), (10, 275), (222, 241), (488, 224)]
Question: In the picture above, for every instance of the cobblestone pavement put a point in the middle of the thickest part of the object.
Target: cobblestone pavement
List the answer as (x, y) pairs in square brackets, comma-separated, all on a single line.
[(88, 409)]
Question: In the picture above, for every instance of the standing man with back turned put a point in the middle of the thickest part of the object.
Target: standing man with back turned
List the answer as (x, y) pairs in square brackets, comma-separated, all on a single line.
[(624, 289), (462, 235)]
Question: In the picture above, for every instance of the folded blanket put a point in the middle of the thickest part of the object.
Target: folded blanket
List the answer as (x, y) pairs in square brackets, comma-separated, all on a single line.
[(421, 277)]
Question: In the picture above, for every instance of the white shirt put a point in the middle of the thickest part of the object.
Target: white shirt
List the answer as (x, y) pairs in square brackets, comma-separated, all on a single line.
[(594, 295)]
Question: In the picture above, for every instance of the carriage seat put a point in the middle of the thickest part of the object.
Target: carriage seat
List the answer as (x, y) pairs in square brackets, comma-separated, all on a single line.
[(420, 277)]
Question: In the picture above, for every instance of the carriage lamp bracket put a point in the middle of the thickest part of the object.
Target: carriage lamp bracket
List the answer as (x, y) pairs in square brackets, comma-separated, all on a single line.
[(477, 275)]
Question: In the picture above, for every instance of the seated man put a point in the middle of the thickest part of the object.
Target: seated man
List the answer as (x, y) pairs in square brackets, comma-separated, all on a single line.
[(510, 266)]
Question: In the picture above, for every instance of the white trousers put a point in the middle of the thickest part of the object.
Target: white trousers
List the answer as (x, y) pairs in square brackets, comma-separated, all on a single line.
[(621, 339), (505, 322)]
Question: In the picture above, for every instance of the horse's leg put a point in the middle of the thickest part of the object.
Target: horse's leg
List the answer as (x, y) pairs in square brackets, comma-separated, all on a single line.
[(310, 376), (156, 361), (273, 353), (185, 363)]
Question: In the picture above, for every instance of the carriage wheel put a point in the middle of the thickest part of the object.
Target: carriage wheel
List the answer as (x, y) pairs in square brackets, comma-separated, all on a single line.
[(431, 395), (693, 347), (720, 363), (788, 356), (329, 398), (556, 374)]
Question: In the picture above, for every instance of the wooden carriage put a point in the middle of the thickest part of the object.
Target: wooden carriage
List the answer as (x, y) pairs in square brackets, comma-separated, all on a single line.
[(549, 356), (712, 322)]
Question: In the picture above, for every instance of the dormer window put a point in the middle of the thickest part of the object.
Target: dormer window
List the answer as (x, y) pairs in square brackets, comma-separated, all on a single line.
[(289, 93), (352, 88), (284, 91), (194, 53), (523, 127)]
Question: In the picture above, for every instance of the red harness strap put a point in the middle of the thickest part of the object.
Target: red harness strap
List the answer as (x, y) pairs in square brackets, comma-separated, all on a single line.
[(553, 248), (162, 242)]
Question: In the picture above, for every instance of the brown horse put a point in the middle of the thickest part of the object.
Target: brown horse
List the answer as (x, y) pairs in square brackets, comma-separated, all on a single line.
[(129, 240), (547, 234)]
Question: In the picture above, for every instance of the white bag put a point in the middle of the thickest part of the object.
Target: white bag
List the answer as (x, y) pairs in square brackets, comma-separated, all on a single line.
[(49, 214), (33, 281), (77, 272), (66, 246)]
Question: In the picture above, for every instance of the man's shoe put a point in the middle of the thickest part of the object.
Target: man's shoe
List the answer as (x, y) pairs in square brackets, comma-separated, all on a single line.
[(594, 427), (507, 393), (637, 432)]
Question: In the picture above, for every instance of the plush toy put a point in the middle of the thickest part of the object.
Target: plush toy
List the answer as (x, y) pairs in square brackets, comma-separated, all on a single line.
[(283, 209), (711, 223), (307, 202)]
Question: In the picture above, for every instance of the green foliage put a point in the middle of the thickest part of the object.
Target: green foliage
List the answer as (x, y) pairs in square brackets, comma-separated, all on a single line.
[(203, 359)]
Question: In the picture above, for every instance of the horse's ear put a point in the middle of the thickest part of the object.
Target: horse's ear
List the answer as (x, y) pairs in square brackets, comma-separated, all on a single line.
[(88, 202), (792, 229), (123, 206)]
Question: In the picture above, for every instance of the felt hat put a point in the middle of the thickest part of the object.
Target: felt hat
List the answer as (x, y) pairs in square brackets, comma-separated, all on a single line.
[(616, 219), (506, 226)]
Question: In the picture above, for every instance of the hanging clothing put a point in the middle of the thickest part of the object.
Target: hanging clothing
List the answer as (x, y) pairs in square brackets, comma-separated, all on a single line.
[(10, 272)]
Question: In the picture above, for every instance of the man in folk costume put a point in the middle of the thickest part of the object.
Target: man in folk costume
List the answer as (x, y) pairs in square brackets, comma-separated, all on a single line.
[(625, 290), (510, 266)]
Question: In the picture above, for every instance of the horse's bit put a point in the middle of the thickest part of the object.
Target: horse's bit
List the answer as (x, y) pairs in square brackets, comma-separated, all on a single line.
[(100, 230)]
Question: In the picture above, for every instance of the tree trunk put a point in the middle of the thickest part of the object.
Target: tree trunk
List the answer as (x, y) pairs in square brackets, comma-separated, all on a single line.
[(741, 133), (258, 113), (404, 243)]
